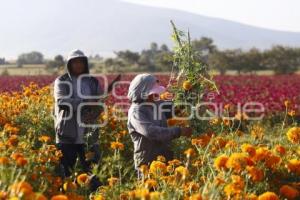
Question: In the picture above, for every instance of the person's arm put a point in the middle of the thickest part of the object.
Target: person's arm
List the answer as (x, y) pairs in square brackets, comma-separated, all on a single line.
[(143, 125), (62, 98), (110, 86)]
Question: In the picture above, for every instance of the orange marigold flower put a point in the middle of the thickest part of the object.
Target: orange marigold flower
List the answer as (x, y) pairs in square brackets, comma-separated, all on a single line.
[(117, 145), (21, 188), (69, 186), (280, 149), (248, 148), (195, 197), (150, 184), (21, 161), (255, 174), (158, 167), (268, 196), (294, 166), (289, 192), (220, 162), (82, 179), (293, 135), (182, 172), (237, 161), (190, 152), (4, 160), (44, 138)]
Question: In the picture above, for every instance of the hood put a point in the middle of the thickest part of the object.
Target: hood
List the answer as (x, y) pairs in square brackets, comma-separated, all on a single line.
[(77, 54), (140, 87)]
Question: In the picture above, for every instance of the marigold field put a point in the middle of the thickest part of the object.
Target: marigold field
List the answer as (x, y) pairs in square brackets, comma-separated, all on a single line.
[(232, 158)]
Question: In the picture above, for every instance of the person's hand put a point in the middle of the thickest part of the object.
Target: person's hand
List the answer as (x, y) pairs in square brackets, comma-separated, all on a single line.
[(186, 132)]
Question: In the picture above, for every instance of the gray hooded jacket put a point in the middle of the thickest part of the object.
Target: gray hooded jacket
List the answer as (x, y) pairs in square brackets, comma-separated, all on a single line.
[(147, 127), (67, 129)]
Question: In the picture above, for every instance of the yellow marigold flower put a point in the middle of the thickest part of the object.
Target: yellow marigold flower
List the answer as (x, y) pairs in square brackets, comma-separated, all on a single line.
[(99, 197), (255, 174), (220, 162), (237, 161), (37, 196), (195, 197), (289, 192), (44, 138), (142, 194), (182, 172), (117, 145), (235, 187), (248, 148), (294, 166), (268, 196), (158, 167), (60, 197), (293, 135), (82, 179), (69, 186), (261, 153), (155, 195), (189, 152)]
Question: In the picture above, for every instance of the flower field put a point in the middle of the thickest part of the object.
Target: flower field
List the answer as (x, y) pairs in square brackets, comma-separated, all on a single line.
[(233, 158)]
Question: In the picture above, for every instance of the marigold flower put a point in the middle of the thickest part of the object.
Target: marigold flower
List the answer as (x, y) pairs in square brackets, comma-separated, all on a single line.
[(294, 166), (4, 160), (268, 196), (150, 184), (82, 179), (293, 135), (182, 172), (280, 149), (255, 174), (289, 192), (248, 148), (21, 188), (237, 161), (220, 162), (117, 145), (44, 138), (158, 167), (189, 152)]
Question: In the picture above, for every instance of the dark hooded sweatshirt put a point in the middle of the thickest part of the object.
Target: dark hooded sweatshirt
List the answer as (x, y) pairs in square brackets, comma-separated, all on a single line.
[(67, 101)]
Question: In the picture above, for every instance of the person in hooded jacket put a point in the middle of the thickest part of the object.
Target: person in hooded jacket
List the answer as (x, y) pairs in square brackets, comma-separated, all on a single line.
[(147, 121), (69, 94)]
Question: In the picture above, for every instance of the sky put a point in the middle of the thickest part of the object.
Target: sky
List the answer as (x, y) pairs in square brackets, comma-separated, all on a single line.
[(273, 14)]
